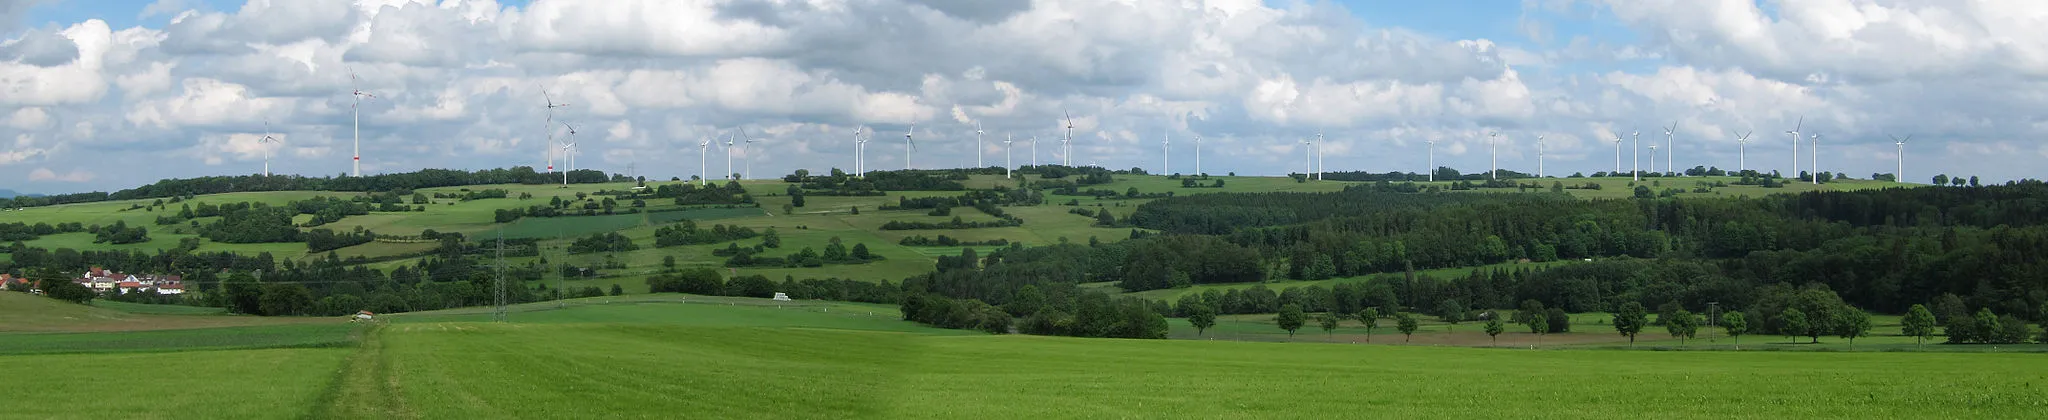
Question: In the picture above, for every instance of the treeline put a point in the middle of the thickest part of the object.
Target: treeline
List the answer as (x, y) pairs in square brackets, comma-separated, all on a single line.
[(956, 223), (426, 178), (323, 240), (943, 240), (840, 183), (602, 242), (686, 193), (685, 232), (706, 281)]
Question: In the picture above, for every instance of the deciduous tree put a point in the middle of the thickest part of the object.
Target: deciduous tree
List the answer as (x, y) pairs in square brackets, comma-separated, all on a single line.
[(1407, 324), (1682, 325), (1494, 326), (1201, 316), (1852, 323), (1792, 323), (1371, 318), (1290, 318), (1328, 321), (1630, 320), (1735, 324), (1918, 323)]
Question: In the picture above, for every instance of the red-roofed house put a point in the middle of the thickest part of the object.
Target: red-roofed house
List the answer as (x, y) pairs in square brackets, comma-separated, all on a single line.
[(170, 289), (8, 282)]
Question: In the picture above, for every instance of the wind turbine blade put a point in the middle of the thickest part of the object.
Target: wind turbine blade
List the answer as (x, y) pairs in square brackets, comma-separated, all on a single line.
[(1801, 124)]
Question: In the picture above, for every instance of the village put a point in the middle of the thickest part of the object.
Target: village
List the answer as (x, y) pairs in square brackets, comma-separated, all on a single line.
[(104, 281)]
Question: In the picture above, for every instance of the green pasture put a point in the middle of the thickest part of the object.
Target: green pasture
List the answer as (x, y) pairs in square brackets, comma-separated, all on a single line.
[(221, 384), (651, 360), (336, 333)]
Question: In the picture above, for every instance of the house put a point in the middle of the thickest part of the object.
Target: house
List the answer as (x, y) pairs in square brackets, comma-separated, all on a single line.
[(9, 282), (171, 289)]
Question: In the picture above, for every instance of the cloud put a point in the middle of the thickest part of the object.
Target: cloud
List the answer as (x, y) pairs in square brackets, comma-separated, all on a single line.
[(75, 176), (458, 83), (40, 48)]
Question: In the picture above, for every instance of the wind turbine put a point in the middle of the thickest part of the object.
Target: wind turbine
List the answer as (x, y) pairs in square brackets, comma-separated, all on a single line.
[(1653, 158), (1742, 151), (356, 110), (1319, 156), (1539, 156), (750, 156), (1006, 156), (729, 174), (1066, 144), (267, 139), (1900, 176), (978, 146), (549, 125), (1795, 145), (909, 144), (703, 162), (1815, 144), (1034, 151), (1617, 154), (1432, 160), (569, 151), (860, 148), (1198, 154), (1636, 169), (1166, 155), (1667, 147), (1493, 153), (1308, 157)]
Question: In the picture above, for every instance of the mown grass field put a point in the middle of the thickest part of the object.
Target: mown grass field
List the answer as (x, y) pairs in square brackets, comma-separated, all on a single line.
[(713, 357)]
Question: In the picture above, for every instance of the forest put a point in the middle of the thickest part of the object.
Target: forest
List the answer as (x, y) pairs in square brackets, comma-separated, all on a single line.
[(426, 178), (1884, 251)]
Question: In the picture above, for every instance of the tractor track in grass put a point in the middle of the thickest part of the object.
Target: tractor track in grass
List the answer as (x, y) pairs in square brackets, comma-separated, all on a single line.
[(365, 387)]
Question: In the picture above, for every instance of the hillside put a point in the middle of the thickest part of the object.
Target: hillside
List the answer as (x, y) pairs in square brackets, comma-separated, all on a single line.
[(554, 249)]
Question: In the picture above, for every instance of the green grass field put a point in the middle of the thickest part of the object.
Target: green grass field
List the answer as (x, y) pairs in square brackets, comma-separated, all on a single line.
[(718, 357)]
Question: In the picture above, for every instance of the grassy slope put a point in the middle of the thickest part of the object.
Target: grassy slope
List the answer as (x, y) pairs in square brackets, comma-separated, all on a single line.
[(29, 313), (657, 360), (810, 226), (237, 384)]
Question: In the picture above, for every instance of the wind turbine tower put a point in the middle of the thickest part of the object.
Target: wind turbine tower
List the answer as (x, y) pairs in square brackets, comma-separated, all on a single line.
[(860, 148), (1742, 151), (1308, 157), (356, 168), (1432, 160), (1539, 156), (703, 162), (909, 144), (750, 156), (549, 126), (1668, 150), (1198, 154), (1636, 169), (1319, 156), (569, 151), (1066, 144), (1795, 145), (1653, 158), (1166, 155), (1617, 154), (267, 139), (978, 146), (1815, 144), (1493, 153), (729, 174), (1900, 176), (1006, 156)]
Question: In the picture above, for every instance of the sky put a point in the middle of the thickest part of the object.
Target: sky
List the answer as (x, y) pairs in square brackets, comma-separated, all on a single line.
[(111, 94)]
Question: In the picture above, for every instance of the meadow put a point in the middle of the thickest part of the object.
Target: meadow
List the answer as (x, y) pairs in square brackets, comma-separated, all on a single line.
[(720, 357)]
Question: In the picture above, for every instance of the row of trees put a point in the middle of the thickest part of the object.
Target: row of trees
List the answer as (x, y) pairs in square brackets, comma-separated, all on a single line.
[(426, 178)]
